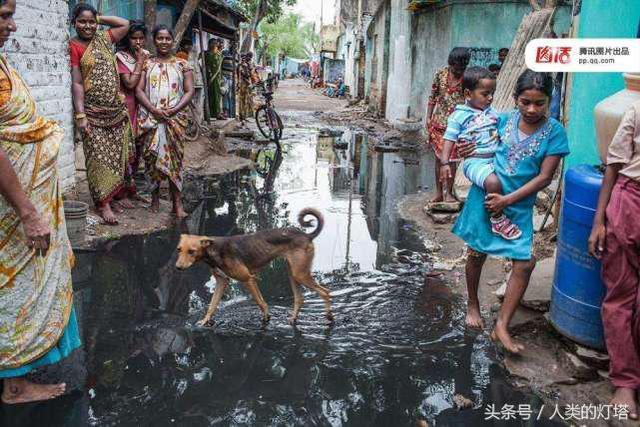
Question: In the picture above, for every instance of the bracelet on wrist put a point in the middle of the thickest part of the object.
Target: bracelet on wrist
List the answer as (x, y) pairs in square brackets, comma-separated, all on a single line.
[(80, 116)]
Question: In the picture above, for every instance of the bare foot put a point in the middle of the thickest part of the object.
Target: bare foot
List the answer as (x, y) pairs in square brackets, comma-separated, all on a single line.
[(500, 335), (626, 397), (180, 213), (178, 210), (19, 390), (139, 198), (449, 198), (438, 198), (474, 318), (126, 203), (107, 215), (155, 204), (115, 207)]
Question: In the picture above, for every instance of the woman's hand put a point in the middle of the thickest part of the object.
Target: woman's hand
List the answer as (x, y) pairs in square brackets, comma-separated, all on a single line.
[(496, 203), (36, 230), (465, 147), (83, 126), (141, 55), (597, 240), (445, 173), (157, 113)]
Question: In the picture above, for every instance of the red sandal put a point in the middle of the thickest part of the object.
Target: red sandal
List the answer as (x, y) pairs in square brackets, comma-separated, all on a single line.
[(503, 227)]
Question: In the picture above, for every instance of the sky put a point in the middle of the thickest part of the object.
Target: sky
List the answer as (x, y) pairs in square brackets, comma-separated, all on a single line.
[(310, 10)]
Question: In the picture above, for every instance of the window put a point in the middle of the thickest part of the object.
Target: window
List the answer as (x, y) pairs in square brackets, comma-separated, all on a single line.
[(128, 9)]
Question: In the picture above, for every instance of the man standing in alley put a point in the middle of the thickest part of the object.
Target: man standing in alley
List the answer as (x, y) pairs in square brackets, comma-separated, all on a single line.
[(615, 239)]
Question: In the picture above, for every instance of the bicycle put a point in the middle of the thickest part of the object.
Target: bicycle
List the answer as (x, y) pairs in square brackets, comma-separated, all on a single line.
[(268, 121)]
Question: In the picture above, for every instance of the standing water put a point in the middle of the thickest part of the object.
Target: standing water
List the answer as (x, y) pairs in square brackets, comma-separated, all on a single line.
[(397, 353)]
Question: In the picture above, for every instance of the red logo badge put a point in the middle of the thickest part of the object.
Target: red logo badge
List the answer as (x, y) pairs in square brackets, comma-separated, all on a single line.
[(549, 55)]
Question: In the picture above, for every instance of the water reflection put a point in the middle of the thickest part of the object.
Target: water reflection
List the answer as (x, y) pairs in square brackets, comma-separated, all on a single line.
[(397, 352)]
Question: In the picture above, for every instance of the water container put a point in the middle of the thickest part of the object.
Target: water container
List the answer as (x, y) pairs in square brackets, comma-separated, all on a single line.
[(578, 290)]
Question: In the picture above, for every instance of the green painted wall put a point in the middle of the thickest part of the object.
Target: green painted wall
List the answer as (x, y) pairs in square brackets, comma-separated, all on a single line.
[(597, 19), (474, 25)]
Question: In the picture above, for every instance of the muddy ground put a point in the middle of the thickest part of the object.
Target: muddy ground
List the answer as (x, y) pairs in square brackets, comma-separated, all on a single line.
[(556, 370), (561, 372), (202, 159)]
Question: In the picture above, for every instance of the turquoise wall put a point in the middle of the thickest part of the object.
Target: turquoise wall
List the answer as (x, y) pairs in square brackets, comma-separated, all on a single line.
[(597, 19), (483, 25)]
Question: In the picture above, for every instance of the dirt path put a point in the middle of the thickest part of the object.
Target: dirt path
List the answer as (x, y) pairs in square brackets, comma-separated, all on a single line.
[(296, 95)]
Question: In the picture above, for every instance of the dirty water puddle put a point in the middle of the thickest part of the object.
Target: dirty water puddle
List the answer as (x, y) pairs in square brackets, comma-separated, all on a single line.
[(397, 352)]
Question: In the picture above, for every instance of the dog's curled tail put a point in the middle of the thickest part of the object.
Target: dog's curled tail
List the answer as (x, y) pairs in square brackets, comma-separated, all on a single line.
[(307, 223)]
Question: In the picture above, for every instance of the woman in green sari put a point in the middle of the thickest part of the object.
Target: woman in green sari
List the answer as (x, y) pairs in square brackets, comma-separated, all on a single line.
[(213, 61), (37, 323)]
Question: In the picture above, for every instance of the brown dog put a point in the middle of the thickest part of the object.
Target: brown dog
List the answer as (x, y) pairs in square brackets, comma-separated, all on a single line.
[(242, 257)]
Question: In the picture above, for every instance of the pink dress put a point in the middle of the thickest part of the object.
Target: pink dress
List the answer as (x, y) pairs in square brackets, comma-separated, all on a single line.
[(126, 65)]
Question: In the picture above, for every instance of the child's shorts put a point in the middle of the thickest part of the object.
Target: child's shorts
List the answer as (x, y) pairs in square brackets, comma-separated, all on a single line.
[(477, 169)]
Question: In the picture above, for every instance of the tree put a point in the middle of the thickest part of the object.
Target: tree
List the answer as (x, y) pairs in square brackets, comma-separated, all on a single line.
[(261, 9), (150, 14), (289, 36), (185, 18)]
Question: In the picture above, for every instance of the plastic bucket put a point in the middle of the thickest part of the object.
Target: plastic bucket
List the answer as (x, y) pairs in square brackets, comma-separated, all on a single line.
[(75, 214)]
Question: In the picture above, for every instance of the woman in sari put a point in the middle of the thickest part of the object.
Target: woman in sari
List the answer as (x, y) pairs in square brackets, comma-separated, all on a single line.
[(246, 77), (101, 114), (164, 91), (131, 57), (446, 93), (38, 324)]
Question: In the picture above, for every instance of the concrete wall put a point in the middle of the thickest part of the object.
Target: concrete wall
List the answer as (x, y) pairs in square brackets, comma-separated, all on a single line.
[(430, 51), (597, 19), (378, 39), (350, 61), (399, 85), (38, 50)]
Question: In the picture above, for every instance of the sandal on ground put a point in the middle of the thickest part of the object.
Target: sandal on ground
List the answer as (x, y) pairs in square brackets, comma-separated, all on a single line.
[(504, 228)]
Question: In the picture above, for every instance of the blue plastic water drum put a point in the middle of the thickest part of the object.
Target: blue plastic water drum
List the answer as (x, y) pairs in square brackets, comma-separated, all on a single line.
[(578, 290)]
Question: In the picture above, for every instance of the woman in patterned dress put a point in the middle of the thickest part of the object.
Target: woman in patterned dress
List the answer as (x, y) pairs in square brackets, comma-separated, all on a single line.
[(38, 323), (246, 77), (164, 91), (101, 114), (131, 56), (446, 93)]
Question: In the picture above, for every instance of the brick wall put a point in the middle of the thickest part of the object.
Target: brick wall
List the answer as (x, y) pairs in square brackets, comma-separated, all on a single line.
[(38, 50)]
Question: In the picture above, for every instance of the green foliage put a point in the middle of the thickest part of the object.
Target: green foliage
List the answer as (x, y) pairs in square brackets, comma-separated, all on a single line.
[(289, 36), (274, 11)]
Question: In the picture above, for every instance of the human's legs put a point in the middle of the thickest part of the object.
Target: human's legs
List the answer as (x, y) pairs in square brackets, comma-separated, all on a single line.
[(439, 196), (473, 270), (176, 197), (516, 287), (620, 274)]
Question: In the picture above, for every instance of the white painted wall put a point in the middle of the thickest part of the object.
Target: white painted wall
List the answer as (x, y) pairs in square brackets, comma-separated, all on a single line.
[(399, 83), (39, 51)]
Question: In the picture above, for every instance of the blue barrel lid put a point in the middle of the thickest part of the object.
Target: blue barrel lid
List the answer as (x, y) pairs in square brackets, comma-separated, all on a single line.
[(582, 185)]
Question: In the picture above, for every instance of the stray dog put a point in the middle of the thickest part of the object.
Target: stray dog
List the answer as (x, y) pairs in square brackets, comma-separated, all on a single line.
[(242, 257)]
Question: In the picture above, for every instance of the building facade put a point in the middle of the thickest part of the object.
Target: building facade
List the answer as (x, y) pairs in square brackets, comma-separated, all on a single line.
[(40, 54)]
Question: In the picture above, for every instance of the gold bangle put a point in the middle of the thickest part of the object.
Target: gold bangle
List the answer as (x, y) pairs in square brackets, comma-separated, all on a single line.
[(98, 19), (80, 116)]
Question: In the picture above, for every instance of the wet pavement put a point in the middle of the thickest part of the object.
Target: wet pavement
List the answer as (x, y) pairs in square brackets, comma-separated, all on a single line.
[(397, 353)]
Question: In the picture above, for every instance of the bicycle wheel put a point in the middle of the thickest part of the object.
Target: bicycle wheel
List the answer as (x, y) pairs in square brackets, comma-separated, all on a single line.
[(262, 120), (280, 127)]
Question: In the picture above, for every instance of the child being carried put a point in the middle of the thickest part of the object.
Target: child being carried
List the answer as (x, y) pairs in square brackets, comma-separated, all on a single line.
[(477, 122)]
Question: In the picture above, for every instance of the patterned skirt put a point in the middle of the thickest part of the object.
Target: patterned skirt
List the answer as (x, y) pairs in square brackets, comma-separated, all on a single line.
[(436, 141)]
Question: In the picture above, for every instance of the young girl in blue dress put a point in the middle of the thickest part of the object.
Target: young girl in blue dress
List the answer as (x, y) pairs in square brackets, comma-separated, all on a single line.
[(528, 157)]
